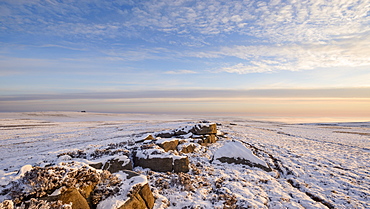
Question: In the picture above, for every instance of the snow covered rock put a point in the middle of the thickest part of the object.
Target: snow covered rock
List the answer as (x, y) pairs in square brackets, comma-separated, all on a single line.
[(161, 161), (198, 129), (74, 196), (134, 193), (210, 138), (117, 164), (236, 152), (168, 144), (204, 128), (142, 198), (187, 147), (165, 134)]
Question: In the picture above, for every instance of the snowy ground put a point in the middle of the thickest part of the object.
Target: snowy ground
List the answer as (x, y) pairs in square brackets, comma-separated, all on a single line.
[(316, 165)]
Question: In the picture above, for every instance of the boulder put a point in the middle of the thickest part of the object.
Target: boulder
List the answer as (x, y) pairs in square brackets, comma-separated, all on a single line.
[(204, 128), (147, 196), (236, 152), (187, 148), (149, 137), (165, 134), (135, 201), (155, 164), (141, 198), (134, 193), (73, 196), (168, 144), (159, 160), (97, 165), (117, 164), (181, 165), (210, 138)]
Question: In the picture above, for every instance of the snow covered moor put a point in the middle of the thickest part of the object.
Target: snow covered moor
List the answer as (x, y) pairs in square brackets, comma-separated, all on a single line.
[(91, 160)]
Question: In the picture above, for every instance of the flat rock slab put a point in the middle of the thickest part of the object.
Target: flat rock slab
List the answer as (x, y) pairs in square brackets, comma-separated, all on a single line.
[(236, 152)]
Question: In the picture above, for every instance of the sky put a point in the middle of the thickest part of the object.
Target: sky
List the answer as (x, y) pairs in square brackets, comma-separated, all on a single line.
[(269, 57)]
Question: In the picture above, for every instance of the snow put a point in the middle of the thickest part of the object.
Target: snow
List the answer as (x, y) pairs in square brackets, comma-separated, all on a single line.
[(315, 165), (236, 149)]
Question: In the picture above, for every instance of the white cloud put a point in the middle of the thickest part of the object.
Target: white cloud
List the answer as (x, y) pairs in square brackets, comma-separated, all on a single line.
[(277, 21), (293, 57), (246, 69)]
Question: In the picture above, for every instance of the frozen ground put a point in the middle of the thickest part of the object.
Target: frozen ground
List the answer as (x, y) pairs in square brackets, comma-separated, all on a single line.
[(315, 165)]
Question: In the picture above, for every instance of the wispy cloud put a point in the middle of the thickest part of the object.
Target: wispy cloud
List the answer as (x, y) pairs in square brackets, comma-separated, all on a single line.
[(157, 94), (179, 72), (293, 57)]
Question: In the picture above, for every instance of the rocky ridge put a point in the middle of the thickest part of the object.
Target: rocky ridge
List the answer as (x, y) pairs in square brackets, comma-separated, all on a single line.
[(105, 178)]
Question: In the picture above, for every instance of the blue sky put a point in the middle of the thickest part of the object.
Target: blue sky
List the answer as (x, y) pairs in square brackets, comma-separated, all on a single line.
[(52, 48)]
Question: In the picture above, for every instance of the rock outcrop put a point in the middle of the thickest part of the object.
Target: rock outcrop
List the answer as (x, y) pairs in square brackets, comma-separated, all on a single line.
[(74, 197), (236, 152), (78, 186), (187, 147), (168, 144), (118, 164), (161, 161)]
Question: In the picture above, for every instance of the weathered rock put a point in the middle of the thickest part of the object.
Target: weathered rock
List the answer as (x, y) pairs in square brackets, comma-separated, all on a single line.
[(147, 196), (168, 144), (130, 173), (210, 138), (159, 160), (149, 137), (165, 134), (204, 128), (117, 164), (86, 192), (244, 162), (96, 165), (236, 152), (134, 202), (181, 165), (188, 148), (155, 164), (74, 197)]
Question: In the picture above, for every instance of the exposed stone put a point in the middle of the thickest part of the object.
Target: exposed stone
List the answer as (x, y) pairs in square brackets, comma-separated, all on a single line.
[(159, 160), (147, 196), (141, 198), (236, 152), (165, 134), (188, 148), (96, 165), (86, 192), (181, 165), (134, 202), (130, 173), (169, 145), (203, 129), (155, 164), (117, 164), (149, 137), (243, 161), (210, 138), (74, 197)]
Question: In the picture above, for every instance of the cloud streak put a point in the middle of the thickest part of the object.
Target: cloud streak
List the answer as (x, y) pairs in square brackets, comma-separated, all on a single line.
[(162, 94)]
